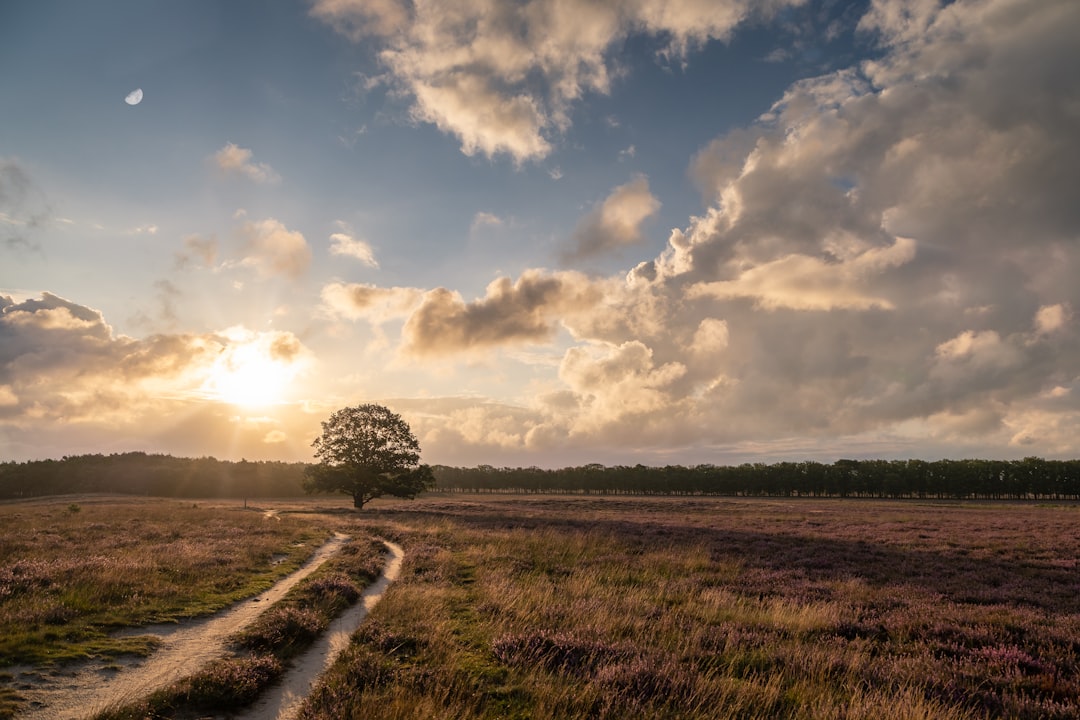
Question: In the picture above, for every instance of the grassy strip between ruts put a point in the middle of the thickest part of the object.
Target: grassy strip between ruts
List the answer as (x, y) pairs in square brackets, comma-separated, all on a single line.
[(262, 650)]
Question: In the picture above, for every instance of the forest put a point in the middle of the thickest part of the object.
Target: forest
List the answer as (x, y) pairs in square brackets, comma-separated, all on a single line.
[(138, 473), (1030, 478)]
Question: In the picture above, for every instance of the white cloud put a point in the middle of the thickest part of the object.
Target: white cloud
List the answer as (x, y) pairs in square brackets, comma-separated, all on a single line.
[(502, 77), (979, 348), (710, 338), (273, 249), (275, 437), (1051, 318), (355, 301), (485, 219), (348, 246), (619, 384), (802, 282), (235, 159)]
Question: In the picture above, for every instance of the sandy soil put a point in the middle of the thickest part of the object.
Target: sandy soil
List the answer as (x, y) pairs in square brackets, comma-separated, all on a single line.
[(79, 691), (282, 702)]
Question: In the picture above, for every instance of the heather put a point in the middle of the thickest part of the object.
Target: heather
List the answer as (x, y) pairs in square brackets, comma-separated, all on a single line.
[(71, 573), (608, 607)]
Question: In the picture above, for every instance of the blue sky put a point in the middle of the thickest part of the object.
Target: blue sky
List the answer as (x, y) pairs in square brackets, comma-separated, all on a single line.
[(545, 232)]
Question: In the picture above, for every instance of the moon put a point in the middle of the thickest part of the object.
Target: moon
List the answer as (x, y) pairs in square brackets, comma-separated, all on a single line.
[(134, 97)]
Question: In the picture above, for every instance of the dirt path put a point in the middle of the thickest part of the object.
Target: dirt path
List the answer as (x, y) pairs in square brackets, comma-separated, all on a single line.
[(282, 702), (80, 691)]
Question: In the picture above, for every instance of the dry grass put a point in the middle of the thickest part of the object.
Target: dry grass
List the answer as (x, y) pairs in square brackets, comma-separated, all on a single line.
[(605, 608), (71, 573), (262, 651), (570, 607)]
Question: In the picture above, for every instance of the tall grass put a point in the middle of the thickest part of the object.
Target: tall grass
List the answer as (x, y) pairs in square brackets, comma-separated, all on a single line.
[(601, 608), (69, 578)]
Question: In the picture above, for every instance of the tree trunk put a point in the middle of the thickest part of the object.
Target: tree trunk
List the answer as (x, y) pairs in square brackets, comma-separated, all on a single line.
[(358, 501)]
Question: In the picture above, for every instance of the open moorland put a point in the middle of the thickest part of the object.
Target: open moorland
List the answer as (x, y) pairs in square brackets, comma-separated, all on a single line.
[(586, 606)]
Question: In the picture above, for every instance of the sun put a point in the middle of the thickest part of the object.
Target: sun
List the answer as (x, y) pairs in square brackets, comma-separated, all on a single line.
[(252, 371)]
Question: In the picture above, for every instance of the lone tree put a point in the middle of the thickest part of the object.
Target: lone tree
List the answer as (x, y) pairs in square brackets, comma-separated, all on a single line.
[(367, 451)]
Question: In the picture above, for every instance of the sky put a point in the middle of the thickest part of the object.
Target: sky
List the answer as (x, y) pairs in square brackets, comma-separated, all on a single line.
[(545, 232)]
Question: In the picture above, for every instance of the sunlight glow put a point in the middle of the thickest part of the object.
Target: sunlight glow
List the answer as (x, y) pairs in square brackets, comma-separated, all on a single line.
[(254, 369)]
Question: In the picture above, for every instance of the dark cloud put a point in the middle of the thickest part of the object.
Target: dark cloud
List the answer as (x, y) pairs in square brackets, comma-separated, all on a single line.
[(203, 250), (613, 223), (525, 311), (23, 207)]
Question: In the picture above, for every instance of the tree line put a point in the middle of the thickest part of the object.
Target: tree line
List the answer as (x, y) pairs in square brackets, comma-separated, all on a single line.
[(139, 473), (1030, 478)]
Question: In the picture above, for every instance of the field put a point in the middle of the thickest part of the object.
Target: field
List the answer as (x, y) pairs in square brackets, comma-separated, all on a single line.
[(556, 607)]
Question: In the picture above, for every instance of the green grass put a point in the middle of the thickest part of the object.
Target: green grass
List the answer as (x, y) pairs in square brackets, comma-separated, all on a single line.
[(68, 579)]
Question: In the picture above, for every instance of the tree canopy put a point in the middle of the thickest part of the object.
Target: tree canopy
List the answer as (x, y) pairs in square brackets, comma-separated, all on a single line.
[(367, 452)]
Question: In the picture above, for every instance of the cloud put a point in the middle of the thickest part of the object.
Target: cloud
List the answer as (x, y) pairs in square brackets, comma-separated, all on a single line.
[(484, 119), (359, 18), (711, 337), (348, 246), (485, 219), (62, 361), (984, 348), (618, 384), (802, 282), (1052, 318), (502, 77), (203, 250), (887, 263), (275, 437), (23, 206), (273, 249), (615, 222), (509, 312), (64, 369), (355, 301), (235, 159)]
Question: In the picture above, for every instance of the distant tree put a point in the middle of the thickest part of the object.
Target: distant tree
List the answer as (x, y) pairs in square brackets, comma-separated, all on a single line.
[(367, 452)]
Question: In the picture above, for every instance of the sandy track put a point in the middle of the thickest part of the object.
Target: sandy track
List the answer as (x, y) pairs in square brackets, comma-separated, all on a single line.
[(282, 702), (79, 691)]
